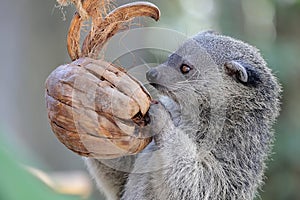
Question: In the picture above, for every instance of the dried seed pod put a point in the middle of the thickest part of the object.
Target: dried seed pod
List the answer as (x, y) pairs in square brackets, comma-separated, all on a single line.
[(96, 109)]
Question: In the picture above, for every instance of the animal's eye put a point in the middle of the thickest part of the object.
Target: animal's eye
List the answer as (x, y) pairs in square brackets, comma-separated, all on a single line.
[(185, 69)]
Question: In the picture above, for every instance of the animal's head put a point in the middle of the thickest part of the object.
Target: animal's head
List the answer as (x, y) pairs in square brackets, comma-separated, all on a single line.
[(213, 76)]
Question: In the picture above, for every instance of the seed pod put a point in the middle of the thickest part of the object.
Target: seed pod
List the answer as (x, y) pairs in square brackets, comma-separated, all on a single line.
[(96, 109)]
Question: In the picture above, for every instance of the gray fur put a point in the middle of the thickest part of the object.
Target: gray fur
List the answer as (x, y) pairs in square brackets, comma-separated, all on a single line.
[(213, 129)]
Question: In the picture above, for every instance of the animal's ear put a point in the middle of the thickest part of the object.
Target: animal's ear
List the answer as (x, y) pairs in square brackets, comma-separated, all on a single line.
[(237, 69)]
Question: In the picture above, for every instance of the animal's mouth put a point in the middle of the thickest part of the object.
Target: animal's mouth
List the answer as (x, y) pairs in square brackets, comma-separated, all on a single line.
[(164, 91), (169, 101)]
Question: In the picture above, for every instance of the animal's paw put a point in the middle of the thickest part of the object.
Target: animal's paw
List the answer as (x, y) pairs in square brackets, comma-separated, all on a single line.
[(164, 114), (159, 118), (173, 108)]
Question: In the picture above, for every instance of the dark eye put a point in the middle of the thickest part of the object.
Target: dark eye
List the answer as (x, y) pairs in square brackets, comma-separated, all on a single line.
[(185, 69)]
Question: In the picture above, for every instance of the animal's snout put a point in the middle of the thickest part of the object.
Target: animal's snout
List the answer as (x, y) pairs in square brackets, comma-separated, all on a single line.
[(152, 75)]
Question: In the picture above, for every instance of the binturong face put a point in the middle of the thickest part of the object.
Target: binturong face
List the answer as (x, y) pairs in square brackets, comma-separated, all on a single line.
[(211, 77)]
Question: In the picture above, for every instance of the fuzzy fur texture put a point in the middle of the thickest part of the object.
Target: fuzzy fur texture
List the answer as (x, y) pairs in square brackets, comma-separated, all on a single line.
[(213, 131)]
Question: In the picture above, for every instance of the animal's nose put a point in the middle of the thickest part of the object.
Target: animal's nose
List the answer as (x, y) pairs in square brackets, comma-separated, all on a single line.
[(151, 75)]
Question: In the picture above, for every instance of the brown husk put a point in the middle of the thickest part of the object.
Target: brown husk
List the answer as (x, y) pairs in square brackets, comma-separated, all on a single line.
[(96, 109), (92, 108)]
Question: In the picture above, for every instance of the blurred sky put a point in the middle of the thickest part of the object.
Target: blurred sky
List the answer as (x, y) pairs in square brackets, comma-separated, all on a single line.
[(33, 43)]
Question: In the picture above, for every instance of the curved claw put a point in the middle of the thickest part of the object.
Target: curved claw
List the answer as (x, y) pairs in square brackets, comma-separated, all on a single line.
[(113, 23)]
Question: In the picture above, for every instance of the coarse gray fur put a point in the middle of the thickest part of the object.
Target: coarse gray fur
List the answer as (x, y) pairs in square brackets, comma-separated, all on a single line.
[(213, 127)]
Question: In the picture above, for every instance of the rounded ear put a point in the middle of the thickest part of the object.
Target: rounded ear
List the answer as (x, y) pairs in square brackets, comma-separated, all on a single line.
[(234, 68)]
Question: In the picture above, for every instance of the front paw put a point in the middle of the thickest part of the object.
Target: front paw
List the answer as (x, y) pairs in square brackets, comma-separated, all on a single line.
[(160, 118), (173, 108), (163, 117), (164, 114)]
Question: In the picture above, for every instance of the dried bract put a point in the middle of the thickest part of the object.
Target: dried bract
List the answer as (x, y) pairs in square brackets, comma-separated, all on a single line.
[(97, 109)]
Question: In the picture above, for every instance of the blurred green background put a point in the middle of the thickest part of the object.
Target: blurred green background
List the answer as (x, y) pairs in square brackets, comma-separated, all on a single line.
[(33, 43)]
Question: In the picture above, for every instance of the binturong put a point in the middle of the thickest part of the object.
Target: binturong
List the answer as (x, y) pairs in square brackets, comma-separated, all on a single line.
[(212, 127)]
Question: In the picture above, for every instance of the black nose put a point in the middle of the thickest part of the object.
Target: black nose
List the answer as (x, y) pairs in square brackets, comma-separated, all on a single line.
[(151, 75)]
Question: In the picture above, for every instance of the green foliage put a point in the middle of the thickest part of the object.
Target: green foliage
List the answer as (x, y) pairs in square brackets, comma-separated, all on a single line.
[(17, 184)]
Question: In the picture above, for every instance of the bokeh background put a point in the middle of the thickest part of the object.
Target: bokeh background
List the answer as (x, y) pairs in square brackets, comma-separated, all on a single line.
[(33, 43)]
